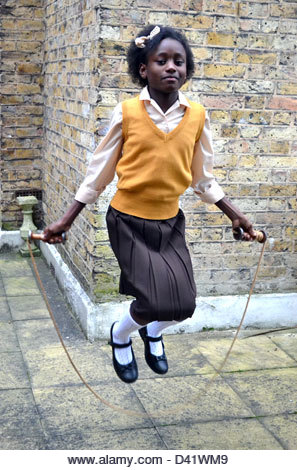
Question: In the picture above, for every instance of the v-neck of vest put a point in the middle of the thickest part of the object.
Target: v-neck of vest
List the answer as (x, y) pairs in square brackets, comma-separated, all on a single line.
[(163, 135)]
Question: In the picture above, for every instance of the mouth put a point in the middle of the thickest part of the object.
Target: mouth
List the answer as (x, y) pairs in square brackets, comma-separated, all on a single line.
[(170, 79)]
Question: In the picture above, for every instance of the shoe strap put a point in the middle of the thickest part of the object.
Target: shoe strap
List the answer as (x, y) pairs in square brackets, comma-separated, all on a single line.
[(120, 345), (154, 340)]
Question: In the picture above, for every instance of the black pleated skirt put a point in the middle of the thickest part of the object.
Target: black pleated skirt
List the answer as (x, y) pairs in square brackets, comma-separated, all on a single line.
[(155, 265)]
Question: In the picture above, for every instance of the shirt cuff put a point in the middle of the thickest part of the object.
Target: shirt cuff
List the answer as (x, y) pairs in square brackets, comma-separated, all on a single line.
[(212, 195), (87, 195)]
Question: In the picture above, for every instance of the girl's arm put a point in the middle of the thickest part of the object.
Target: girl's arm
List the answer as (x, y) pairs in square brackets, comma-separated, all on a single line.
[(238, 219), (101, 169), (203, 180)]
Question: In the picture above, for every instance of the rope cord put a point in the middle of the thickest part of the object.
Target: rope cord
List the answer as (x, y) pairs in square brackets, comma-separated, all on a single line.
[(128, 411)]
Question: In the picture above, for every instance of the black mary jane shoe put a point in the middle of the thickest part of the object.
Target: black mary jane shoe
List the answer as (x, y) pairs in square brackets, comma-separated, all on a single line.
[(157, 363), (127, 373)]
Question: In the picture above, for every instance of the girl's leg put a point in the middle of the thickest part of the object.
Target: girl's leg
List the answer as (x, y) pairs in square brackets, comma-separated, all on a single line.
[(154, 330), (154, 352), (121, 334)]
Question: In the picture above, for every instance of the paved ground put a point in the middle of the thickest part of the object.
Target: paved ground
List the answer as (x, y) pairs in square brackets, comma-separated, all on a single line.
[(43, 404)]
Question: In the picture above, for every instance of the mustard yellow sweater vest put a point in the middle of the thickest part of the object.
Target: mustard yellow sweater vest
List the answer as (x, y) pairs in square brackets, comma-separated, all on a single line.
[(155, 167)]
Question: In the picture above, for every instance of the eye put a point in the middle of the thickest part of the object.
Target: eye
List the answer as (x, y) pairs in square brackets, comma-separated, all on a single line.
[(179, 63), (161, 62)]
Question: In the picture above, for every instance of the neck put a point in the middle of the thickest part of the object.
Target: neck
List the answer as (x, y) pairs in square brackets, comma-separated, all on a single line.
[(165, 101)]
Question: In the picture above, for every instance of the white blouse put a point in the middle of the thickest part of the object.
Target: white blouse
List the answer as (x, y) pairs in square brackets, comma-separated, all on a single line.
[(102, 168)]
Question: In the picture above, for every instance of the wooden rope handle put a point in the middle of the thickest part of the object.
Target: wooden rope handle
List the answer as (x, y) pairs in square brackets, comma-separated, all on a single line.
[(40, 236), (238, 234)]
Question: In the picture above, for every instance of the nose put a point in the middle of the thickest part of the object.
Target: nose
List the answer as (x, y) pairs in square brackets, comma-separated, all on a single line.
[(170, 66)]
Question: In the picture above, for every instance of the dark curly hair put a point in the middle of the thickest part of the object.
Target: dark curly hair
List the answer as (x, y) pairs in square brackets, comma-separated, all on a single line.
[(137, 56)]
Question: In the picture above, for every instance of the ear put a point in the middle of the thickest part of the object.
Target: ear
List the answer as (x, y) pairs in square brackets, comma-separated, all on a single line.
[(142, 71)]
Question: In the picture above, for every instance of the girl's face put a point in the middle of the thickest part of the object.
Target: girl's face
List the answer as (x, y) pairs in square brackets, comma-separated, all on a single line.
[(166, 68)]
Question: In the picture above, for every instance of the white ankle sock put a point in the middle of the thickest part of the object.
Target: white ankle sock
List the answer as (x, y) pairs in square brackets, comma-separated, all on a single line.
[(121, 334), (154, 330)]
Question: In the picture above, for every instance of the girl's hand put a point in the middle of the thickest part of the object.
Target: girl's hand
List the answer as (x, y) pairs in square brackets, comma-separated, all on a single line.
[(238, 218), (245, 224), (53, 233)]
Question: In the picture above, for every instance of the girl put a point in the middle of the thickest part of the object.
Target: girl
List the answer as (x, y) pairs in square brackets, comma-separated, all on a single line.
[(158, 143)]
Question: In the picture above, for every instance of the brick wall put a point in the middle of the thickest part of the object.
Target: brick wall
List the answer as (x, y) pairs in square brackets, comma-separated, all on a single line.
[(71, 69), (21, 103), (245, 76)]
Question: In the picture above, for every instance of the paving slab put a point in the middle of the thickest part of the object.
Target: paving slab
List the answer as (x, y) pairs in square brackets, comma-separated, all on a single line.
[(30, 308), (18, 415), (124, 439), (20, 286), (51, 367), (5, 315), (8, 338), (75, 407), (235, 434), (94, 364), (267, 392), (15, 267), (13, 442), (37, 334), (287, 342), (2, 290), (247, 354), (13, 373), (285, 427), (176, 400)]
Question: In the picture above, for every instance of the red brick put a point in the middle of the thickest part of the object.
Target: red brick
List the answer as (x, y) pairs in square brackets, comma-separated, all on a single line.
[(279, 102)]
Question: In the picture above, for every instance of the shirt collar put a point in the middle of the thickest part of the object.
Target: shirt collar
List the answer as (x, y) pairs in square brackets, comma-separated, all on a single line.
[(145, 96)]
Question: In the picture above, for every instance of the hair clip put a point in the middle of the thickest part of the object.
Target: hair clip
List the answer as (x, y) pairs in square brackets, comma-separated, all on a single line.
[(140, 41)]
